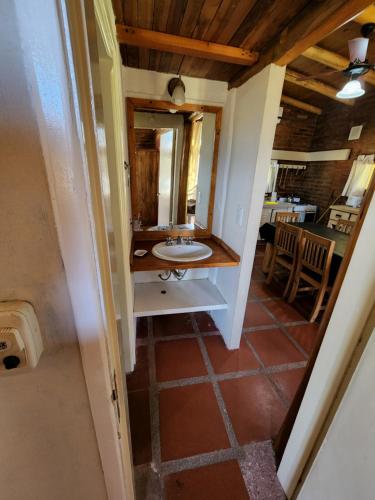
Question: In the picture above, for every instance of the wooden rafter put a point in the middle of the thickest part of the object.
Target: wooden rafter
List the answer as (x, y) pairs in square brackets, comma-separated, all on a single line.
[(367, 16), (166, 42), (301, 105), (333, 60), (316, 86), (314, 23)]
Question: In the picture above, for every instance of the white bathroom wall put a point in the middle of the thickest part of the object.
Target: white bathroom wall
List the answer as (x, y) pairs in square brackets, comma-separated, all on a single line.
[(254, 122), (153, 85)]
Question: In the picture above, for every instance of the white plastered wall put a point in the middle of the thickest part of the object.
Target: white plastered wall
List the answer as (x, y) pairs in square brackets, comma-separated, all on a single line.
[(344, 466), (353, 307), (48, 443), (248, 130)]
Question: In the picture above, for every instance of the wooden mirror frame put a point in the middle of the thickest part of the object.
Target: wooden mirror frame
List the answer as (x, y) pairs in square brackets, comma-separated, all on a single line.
[(136, 104)]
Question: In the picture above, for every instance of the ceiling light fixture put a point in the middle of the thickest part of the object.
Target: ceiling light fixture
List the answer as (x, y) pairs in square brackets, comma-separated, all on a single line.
[(351, 90), (176, 90)]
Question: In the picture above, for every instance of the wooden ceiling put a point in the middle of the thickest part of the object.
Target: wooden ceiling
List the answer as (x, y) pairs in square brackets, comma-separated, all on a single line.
[(244, 36)]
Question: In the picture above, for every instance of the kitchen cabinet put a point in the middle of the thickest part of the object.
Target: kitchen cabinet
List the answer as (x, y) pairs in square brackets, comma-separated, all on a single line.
[(341, 212)]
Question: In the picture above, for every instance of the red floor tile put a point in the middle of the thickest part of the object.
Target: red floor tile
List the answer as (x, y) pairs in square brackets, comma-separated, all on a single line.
[(288, 381), (205, 322), (255, 315), (177, 359), (224, 361), (190, 422), (142, 328), (139, 413), (274, 348), (172, 324), (259, 290), (305, 335), (258, 260), (257, 274), (221, 481), (283, 312), (254, 408), (139, 378)]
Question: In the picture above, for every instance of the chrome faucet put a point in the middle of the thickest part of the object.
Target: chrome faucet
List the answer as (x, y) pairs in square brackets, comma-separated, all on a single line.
[(180, 240), (169, 241)]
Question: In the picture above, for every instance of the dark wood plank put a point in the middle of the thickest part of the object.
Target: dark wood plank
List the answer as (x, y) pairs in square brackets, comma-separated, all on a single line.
[(222, 256), (147, 172), (161, 13), (224, 24), (182, 191), (311, 25), (130, 13), (189, 21), (145, 20), (175, 16)]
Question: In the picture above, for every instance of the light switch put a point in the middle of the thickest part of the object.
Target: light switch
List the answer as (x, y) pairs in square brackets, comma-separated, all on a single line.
[(20, 338)]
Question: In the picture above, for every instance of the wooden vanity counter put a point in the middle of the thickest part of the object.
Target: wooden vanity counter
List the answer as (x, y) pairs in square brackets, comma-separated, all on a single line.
[(222, 256)]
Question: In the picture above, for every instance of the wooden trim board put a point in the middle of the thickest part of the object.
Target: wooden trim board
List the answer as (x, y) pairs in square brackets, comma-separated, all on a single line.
[(166, 42), (134, 104), (222, 256)]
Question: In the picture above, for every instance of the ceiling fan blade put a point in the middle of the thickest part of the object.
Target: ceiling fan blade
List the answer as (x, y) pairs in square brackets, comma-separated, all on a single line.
[(317, 75)]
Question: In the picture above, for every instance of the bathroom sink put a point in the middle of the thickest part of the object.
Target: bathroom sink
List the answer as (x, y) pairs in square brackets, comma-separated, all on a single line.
[(182, 252)]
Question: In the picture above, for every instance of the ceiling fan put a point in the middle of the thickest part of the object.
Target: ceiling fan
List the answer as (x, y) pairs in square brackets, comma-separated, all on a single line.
[(357, 67)]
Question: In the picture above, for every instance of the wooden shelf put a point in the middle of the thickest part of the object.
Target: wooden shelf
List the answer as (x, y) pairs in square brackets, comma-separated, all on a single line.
[(172, 297), (222, 256)]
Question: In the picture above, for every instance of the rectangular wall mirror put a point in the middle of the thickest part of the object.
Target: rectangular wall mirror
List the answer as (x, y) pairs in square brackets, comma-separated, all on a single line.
[(173, 159)]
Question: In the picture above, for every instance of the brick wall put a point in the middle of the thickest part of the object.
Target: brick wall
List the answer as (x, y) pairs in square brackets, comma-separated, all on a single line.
[(295, 132), (322, 182)]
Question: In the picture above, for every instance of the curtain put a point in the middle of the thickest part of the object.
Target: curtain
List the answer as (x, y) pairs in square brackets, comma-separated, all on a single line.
[(195, 147), (272, 176), (360, 176)]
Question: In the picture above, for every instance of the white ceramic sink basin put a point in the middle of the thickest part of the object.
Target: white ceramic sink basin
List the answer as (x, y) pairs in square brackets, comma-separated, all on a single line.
[(182, 253)]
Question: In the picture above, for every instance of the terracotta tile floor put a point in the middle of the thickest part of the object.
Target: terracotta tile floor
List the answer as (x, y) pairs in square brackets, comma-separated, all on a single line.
[(202, 417)]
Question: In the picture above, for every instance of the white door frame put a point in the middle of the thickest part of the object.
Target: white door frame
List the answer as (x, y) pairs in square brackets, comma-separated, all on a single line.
[(79, 215)]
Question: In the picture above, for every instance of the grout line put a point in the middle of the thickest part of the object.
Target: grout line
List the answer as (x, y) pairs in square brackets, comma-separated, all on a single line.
[(186, 336), (276, 389), (213, 457), (219, 397), (218, 377), (283, 328)]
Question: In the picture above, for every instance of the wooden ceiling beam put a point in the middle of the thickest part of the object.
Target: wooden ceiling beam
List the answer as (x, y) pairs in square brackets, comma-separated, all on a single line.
[(315, 22), (301, 105), (316, 86), (333, 60), (367, 16), (166, 42)]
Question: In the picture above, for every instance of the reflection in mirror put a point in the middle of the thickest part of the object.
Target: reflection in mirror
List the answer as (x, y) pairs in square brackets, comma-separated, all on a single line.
[(173, 167)]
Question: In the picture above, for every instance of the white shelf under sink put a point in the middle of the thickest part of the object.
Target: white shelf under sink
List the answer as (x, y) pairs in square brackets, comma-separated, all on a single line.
[(179, 297)]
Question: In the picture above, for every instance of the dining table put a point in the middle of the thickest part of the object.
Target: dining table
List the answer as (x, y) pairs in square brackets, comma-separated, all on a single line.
[(267, 233)]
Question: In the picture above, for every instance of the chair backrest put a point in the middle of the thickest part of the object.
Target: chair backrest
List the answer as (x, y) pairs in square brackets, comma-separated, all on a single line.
[(345, 226), (316, 252), (287, 238), (287, 217)]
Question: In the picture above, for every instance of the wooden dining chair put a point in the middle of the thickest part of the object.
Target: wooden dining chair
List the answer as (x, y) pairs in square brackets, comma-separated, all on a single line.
[(313, 266), (287, 217), (345, 226), (284, 251)]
